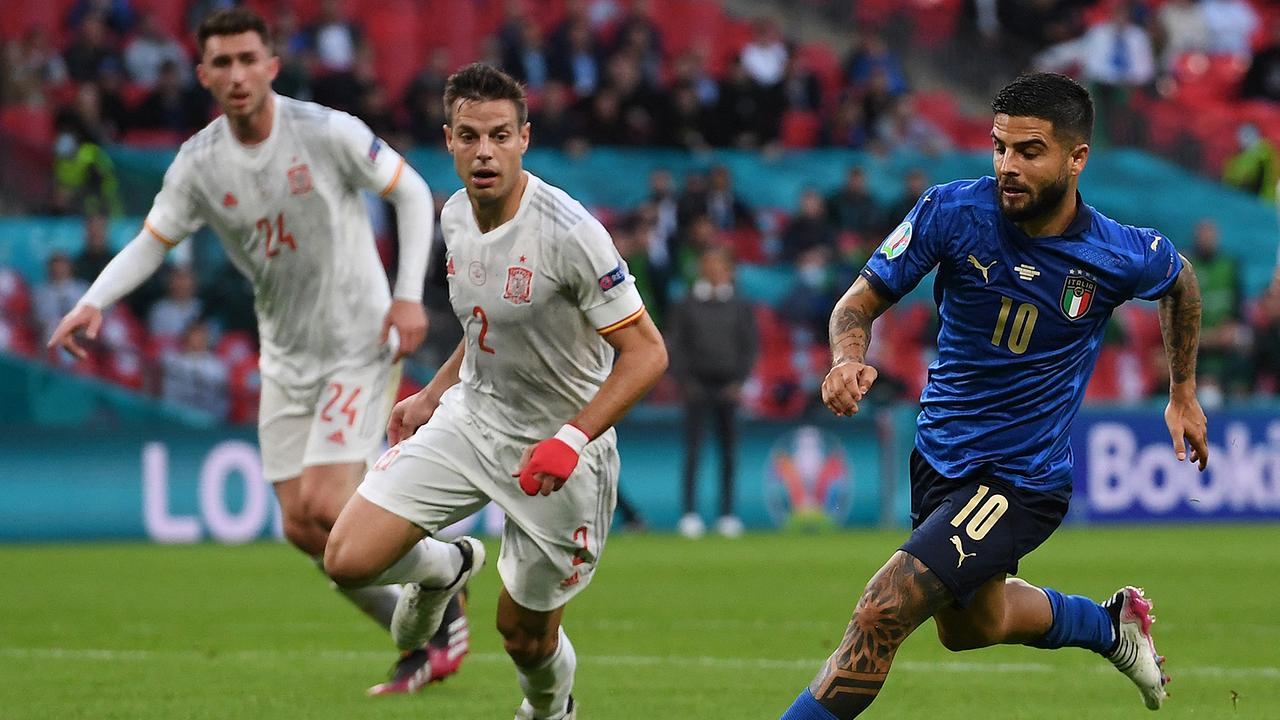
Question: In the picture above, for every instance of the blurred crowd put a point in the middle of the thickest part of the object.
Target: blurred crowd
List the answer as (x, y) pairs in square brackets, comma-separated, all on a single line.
[(602, 73)]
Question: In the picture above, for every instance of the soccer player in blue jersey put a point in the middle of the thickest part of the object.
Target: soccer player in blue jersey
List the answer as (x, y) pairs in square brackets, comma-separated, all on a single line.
[(1028, 275)]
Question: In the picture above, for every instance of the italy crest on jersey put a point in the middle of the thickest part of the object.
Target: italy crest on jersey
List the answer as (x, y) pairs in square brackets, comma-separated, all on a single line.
[(519, 285), (897, 242), (1077, 295)]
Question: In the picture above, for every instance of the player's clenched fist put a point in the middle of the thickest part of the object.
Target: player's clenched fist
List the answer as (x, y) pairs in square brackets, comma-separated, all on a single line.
[(410, 414), (545, 467), (845, 385), (83, 316)]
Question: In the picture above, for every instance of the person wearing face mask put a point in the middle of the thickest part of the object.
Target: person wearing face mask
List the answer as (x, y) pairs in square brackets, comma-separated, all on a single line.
[(1256, 167), (713, 346)]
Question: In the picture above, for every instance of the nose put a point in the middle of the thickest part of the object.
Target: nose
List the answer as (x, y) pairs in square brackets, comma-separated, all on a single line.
[(1008, 164), (237, 73), (484, 149)]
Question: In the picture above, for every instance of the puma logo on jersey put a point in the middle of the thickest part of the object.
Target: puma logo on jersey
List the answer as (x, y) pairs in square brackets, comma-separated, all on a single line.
[(955, 540), (974, 262)]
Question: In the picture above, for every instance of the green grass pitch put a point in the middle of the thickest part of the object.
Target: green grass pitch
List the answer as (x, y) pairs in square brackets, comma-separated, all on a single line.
[(669, 629)]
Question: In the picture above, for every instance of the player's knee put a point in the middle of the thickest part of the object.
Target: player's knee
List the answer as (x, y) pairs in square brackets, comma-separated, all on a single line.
[(526, 649), (967, 637), (346, 568), (303, 534)]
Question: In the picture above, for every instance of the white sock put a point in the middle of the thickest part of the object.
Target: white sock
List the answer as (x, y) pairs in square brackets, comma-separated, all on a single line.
[(376, 601), (433, 563), (548, 686)]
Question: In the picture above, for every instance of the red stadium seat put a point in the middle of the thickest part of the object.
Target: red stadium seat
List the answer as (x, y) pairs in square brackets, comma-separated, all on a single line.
[(1206, 79), (823, 62), (169, 15), (234, 346), (147, 138), (392, 29), (34, 125), (15, 296), (243, 386), (934, 20), (800, 129)]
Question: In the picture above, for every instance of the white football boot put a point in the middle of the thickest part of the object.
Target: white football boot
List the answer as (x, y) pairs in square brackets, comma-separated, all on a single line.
[(1135, 654), (420, 610)]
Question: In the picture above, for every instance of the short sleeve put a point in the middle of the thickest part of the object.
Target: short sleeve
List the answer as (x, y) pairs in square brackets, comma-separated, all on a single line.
[(909, 252), (364, 158), (598, 278), (174, 213), (1159, 267)]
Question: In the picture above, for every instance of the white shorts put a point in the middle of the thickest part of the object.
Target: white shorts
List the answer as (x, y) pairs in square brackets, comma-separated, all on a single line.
[(341, 419), (454, 465)]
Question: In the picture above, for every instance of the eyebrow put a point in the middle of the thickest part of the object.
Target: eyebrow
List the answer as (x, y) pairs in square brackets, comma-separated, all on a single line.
[(1022, 144)]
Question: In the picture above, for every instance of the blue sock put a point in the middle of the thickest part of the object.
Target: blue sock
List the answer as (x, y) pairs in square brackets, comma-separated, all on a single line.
[(1077, 622), (807, 708)]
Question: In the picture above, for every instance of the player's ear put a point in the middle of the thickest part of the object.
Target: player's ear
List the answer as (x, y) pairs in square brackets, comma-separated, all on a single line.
[(202, 76), (1079, 158), (524, 137), (273, 66), (448, 137)]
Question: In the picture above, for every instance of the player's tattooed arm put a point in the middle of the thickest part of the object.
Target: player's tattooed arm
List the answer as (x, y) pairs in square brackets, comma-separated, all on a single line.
[(1180, 328), (1180, 325), (850, 326), (898, 599)]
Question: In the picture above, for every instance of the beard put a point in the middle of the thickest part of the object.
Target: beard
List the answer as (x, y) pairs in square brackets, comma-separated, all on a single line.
[(1037, 203)]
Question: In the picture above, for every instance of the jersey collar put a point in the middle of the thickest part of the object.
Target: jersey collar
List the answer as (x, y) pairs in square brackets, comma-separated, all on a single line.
[(1079, 225)]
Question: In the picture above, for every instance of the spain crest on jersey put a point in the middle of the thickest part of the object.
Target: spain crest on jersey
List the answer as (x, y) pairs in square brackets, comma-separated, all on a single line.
[(519, 285), (299, 179), (1077, 295)]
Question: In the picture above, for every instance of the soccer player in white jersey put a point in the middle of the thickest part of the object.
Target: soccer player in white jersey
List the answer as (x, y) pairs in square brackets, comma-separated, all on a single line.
[(521, 414), (279, 181)]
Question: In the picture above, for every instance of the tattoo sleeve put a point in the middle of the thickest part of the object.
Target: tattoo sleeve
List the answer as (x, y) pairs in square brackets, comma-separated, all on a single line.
[(1180, 325), (850, 326), (898, 599)]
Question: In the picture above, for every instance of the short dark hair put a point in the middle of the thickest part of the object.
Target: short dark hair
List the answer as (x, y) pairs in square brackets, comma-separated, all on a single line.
[(233, 21), (1049, 96), (479, 82)]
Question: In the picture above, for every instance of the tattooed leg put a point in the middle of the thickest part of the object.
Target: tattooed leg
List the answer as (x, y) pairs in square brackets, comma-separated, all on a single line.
[(901, 596)]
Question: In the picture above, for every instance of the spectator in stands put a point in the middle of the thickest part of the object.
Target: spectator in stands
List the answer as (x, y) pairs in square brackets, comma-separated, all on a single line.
[(293, 49), (84, 176), (1231, 25), (1181, 28), (739, 110), (713, 346), (870, 55), (638, 34), (914, 185), (878, 102), (1263, 78), (110, 103), (335, 40), (764, 57), (604, 124), (529, 59), (724, 206), (1256, 168), (422, 99), (150, 50), (346, 90), (193, 376), (95, 254), (1266, 344), (57, 296), (905, 129), (89, 50), (690, 68), (375, 110), (227, 299), (575, 60), (116, 15), (659, 256), (851, 208), (30, 66), (808, 303), (1117, 57), (631, 243), (685, 123), (847, 127), (801, 90), (198, 10), (172, 106), (1224, 337), (641, 107), (809, 228), (178, 308), (552, 119)]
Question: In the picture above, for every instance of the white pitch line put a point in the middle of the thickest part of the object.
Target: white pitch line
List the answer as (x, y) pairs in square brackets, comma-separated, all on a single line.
[(726, 663)]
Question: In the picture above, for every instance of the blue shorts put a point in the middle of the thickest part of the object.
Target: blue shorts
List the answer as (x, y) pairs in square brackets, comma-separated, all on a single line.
[(972, 529)]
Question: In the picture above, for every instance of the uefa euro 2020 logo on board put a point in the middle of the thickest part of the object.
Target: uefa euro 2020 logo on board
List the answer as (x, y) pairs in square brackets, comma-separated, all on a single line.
[(808, 482)]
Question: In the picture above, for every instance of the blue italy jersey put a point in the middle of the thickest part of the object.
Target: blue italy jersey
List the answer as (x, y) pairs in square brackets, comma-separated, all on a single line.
[(1022, 321)]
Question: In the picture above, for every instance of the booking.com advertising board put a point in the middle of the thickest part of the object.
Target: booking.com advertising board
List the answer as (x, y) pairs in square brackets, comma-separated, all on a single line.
[(187, 486)]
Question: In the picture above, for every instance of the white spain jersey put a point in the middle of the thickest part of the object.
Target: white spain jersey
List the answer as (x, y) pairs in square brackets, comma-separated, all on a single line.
[(290, 215), (535, 297)]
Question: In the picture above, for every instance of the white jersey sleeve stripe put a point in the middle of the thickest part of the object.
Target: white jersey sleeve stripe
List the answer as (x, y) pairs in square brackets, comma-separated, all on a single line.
[(158, 235), (631, 319), (395, 178)]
